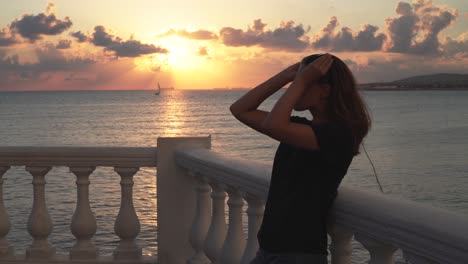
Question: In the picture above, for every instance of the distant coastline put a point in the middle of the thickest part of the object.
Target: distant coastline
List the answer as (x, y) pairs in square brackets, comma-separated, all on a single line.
[(428, 88), (432, 82), (435, 82)]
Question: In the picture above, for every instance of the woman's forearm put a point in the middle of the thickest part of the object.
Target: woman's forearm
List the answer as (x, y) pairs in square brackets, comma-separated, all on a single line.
[(253, 98), (281, 112)]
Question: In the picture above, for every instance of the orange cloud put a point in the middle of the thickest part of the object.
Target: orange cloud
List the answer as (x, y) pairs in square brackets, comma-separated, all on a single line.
[(202, 51), (8, 38), (200, 34)]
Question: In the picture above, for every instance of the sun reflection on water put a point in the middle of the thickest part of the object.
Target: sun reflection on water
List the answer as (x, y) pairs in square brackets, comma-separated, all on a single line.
[(172, 113)]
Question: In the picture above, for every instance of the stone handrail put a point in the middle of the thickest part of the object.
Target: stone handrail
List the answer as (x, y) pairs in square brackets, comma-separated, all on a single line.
[(78, 156), (82, 161), (381, 223), (247, 176), (423, 232)]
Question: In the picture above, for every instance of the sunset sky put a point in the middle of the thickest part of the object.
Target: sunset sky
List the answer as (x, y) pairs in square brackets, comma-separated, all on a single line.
[(90, 45)]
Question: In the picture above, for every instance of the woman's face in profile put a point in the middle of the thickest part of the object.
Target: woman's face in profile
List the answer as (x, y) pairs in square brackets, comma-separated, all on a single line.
[(314, 93), (311, 98)]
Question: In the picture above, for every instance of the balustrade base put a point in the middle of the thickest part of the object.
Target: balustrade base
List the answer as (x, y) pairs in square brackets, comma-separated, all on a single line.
[(125, 252), (64, 259), (84, 254), (40, 253), (199, 259), (7, 252)]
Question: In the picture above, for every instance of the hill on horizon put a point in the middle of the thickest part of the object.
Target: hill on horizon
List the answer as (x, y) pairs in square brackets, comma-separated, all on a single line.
[(441, 78), (430, 81)]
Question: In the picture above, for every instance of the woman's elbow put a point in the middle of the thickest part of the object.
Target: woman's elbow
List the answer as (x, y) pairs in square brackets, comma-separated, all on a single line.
[(234, 111)]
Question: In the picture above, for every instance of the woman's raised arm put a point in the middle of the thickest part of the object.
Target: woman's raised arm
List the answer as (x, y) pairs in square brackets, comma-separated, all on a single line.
[(245, 108)]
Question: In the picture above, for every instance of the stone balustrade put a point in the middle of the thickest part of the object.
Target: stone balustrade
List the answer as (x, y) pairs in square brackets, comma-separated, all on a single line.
[(193, 184), (381, 223), (81, 161)]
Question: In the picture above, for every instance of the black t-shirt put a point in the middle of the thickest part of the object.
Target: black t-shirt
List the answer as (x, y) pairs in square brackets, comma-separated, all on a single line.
[(303, 186)]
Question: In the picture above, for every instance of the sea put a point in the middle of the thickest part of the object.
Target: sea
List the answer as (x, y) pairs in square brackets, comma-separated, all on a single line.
[(418, 144)]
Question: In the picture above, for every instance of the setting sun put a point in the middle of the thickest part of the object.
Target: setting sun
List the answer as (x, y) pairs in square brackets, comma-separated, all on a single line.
[(188, 61), (182, 54)]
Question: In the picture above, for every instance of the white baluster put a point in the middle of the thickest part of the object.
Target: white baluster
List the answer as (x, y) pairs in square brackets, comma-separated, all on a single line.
[(217, 232), (201, 221), (255, 216), (127, 225), (83, 224), (380, 252), (235, 242), (6, 251), (416, 259), (39, 222), (340, 247)]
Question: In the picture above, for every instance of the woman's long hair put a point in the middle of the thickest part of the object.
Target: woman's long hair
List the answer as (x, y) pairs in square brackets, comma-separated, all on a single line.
[(345, 103)]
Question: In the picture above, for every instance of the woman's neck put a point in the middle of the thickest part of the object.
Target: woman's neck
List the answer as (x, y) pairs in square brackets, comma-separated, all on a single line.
[(319, 116)]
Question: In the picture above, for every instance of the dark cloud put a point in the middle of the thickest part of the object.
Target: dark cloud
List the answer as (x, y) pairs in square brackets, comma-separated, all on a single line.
[(128, 48), (198, 34), (367, 39), (72, 77), (415, 31), (7, 38), (402, 30), (63, 44), (79, 36), (287, 36), (101, 38), (457, 47), (33, 27), (237, 37), (417, 28), (134, 48), (51, 61)]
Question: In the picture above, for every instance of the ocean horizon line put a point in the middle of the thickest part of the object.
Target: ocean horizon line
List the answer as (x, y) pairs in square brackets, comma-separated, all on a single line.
[(116, 90)]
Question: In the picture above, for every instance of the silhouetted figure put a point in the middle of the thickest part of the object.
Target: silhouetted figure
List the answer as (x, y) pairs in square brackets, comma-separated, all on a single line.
[(313, 155)]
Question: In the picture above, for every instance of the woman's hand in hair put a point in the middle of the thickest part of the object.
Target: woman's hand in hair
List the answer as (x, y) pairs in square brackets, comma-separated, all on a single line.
[(290, 72), (315, 70)]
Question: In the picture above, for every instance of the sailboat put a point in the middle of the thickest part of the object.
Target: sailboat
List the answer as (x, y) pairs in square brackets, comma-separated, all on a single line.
[(158, 91)]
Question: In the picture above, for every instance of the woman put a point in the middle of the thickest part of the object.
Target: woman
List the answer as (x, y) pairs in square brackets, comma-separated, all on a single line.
[(313, 155)]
